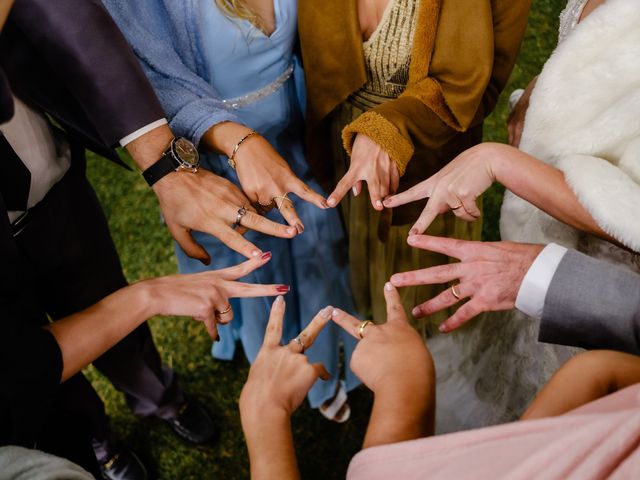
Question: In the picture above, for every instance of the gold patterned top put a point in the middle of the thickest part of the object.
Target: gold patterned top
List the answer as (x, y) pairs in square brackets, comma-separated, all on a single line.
[(387, 52)]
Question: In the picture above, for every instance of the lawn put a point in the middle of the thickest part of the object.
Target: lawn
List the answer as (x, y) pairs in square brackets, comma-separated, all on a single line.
[(146, 250)]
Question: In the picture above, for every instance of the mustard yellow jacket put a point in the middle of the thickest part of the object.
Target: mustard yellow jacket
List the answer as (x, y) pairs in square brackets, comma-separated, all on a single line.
[(462, 56)]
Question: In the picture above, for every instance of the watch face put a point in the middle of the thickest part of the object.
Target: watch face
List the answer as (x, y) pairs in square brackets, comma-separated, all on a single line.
[(186, 152)]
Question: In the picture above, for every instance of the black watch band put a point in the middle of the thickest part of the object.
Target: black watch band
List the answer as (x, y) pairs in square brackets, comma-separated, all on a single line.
[(161, 168)]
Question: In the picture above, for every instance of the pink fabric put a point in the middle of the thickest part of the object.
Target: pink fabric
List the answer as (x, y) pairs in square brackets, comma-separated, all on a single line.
[(599, 440)]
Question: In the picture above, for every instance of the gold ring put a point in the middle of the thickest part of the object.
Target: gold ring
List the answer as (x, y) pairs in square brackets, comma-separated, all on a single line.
[(455, 292), (298, 340), (362, 326), (457, 206), (283, 198), (226, 310)]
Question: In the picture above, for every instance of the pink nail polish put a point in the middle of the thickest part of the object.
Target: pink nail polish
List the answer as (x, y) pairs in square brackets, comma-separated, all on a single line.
[(416, 312), (331, 202), (266, 256), (388, 287)]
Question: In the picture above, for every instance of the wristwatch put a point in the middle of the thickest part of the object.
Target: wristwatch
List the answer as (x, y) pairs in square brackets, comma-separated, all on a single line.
[(181, 155)]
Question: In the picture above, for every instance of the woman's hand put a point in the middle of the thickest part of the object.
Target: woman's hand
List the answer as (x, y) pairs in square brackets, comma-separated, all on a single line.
[(371, 164), (515, 122), (390, 354), (265, 176), (393, 361), (456, 187), (205, 296), (281, 376)]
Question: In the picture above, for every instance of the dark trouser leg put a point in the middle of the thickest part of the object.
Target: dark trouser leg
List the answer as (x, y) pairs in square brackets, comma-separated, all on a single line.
[(68, 246)]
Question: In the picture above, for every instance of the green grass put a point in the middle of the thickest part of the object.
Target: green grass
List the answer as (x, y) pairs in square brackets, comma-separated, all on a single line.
[(146, 250)]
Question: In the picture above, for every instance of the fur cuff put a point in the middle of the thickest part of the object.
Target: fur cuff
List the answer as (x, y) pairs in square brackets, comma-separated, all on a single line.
[(608, 194), (384, 133)]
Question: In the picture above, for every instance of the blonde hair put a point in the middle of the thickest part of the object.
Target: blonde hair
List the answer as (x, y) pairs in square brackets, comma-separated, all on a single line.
[(238, 9)]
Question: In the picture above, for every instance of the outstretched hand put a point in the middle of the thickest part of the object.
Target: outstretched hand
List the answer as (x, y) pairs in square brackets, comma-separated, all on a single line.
[(387, 354), (456, 187), (205, 296), (205, 202), (371, 164), (490, 274), (281, 376)]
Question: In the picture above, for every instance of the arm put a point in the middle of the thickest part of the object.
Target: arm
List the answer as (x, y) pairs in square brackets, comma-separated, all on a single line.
[(84, 336), (457, 186), (454, 96), (591, 304), (167, 52), (278, 381)]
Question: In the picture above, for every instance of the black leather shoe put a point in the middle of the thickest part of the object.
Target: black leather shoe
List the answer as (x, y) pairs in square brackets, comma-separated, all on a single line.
[(124, 465), (193, 423)]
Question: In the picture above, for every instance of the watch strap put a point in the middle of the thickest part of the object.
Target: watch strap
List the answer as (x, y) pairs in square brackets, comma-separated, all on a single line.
[(161, 168)]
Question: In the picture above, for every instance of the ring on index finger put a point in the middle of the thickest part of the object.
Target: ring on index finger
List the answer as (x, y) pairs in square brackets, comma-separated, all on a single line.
[(298, 340), (242, 211), (282, 198)]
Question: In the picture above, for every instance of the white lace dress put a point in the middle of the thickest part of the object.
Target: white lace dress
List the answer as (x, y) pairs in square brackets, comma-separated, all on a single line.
[(491, 371)]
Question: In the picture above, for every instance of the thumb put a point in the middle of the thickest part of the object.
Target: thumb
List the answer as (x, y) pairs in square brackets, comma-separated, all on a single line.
[(395, 310), (188, 244)]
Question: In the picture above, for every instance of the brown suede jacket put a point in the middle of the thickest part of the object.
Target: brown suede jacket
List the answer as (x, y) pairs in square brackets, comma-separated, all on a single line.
[(462, 56)]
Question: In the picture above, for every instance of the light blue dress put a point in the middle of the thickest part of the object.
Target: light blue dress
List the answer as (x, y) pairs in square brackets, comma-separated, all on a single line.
[(208, 68)]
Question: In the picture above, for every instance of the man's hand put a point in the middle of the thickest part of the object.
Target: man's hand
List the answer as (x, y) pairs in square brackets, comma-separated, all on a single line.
[(489, 273), (208, 203), (369, 163), (202, 201)]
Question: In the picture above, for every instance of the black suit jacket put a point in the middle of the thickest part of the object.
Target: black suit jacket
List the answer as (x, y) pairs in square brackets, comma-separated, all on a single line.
[(69, 59)]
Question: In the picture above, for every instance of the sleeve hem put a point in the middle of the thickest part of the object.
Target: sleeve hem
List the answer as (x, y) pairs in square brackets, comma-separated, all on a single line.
[(384, 133)]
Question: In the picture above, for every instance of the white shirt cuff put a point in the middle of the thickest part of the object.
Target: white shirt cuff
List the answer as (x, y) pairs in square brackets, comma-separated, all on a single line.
[(141, 131), (535, 283)]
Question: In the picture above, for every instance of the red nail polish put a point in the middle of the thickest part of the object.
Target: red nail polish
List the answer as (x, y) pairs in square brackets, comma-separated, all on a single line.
[(282, 288), (266, 256), (217, 339)]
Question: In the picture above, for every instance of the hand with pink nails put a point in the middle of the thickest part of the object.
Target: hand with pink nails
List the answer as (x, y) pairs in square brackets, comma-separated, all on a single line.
[(489, 274), (370, 164)]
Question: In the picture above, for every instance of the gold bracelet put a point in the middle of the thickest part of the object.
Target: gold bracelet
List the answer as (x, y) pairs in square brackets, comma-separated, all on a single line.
[(232, 161)]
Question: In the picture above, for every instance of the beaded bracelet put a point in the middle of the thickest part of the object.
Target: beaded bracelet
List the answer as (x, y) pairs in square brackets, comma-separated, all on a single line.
[(232, 161)]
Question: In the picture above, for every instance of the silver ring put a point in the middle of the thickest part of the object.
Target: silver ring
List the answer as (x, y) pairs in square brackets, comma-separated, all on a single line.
[(242, 211), (298, 340)]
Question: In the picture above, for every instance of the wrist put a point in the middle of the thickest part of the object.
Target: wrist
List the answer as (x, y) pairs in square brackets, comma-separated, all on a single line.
[(223, 137), (149, 148)]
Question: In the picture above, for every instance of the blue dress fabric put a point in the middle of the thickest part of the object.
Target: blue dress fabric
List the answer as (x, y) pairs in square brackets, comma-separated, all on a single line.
[(196, 57)]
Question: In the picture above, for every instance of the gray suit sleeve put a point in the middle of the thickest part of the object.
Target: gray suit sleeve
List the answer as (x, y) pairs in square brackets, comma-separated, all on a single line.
[(592, 304)]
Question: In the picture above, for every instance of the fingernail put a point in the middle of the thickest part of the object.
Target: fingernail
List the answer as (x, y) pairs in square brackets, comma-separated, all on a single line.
[(279, 299), (206, 261), (217, 339), (291, 231), (378, 204), (414, 231), (335, 312), (443, 328), (331, 202), (388, 287), (283, 289), (326, 312), (416, 312), (266, 256), (256, 253), (412, 239), (355, 191), (324, 203), (299, 227)]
